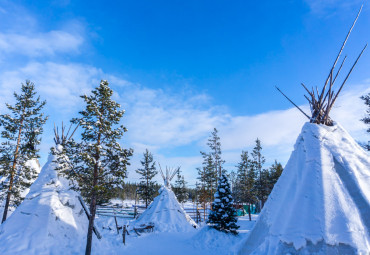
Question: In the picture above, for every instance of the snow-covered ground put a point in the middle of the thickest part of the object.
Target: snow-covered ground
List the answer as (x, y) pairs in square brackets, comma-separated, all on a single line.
[(202, 241)]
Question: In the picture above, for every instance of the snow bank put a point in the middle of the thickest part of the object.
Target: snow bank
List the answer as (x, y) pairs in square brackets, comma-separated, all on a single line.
[(321, 203), (166, 213), (49, 221)]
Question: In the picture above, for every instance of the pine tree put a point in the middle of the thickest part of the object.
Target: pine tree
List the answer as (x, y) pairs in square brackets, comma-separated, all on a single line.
[(223, 214), (147, 188), (275, 171), (257, 163), (98, 164), (21, 132), (246, 181), (180, 189), (215, 146), (366, 119)]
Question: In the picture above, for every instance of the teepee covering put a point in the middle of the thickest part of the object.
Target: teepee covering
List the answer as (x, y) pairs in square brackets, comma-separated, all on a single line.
[(165, 212), (50, 219), (321, 203)]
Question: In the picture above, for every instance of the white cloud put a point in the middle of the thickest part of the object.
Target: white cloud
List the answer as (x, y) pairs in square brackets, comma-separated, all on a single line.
[(21, 34), (321, 7), (41, 44), (163, 121), (60, 84)]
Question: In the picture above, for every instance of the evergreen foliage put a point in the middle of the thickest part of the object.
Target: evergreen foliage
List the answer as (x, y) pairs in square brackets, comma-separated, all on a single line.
[(98, 164), (273, 175), (366, 119), (211, 169), (223, 215), (261, 181), (180, 189), (214, 144), (21, 134), (245, 179), (147, 187)]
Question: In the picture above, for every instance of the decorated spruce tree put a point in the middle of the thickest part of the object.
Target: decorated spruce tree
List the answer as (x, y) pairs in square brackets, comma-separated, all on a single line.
[(223, 215), (97, 164), (147, 187), (21, 130)]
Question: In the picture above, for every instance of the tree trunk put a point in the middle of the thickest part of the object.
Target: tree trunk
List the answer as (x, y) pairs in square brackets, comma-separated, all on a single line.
[(249, 212), (11, 180), (93, 199)]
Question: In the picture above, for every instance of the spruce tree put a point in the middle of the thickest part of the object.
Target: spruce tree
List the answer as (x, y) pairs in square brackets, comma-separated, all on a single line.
[(223, 215), (366, 119), (180, 189), (98, 164), (260, 184), (147, 187), (21, 134)]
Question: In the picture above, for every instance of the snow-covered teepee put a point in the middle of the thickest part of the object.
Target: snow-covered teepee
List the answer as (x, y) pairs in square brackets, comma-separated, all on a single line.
[(50, 220), (321, 202), (165, 212)]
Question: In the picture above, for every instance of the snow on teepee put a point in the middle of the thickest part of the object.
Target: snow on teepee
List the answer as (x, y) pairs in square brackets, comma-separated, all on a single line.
[(50, 220), (321, 203), (165, 212)]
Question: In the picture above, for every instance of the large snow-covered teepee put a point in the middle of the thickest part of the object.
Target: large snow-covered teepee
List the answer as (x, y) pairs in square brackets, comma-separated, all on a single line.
[(165, 212), (321, 203), (50, 220)]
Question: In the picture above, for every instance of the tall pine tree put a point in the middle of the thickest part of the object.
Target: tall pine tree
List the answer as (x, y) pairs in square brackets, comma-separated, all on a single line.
[(98, 164), (260, 184), (147, 187), (21, 133), (366, 119), (246, 176), (214, 144), (180, 189), (223, 215)]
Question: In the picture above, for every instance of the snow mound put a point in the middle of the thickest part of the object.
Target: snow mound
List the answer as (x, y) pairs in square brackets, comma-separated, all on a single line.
[(166, 213), (50, 220), (321, 203), (210, 238)]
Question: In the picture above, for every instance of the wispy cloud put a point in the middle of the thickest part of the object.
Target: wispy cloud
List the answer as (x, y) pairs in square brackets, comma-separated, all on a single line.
[(42, 44), (21, 34), (326, 7), (164, 121)]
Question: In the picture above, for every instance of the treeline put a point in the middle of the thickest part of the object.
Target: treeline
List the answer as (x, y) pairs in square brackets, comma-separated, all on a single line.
[(251, 182)]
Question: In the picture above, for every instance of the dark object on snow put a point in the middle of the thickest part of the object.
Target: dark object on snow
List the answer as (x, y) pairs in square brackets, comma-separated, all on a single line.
[(144, 228)]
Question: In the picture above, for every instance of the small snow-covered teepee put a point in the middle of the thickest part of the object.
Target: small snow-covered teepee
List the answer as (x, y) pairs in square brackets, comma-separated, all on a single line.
[(165, 212), (50, 220), (321, 203)]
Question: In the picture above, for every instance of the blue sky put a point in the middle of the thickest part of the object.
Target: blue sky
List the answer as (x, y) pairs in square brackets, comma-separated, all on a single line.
[(180, 68)]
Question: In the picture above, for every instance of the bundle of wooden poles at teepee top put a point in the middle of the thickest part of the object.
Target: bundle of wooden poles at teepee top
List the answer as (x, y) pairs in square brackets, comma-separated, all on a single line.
[(322, 103), (170, 173), (63, 138)]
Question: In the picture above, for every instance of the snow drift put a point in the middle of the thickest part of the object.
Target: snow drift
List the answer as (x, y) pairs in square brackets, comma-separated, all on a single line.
[(49, 221), (321, 203), (166, 213)]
